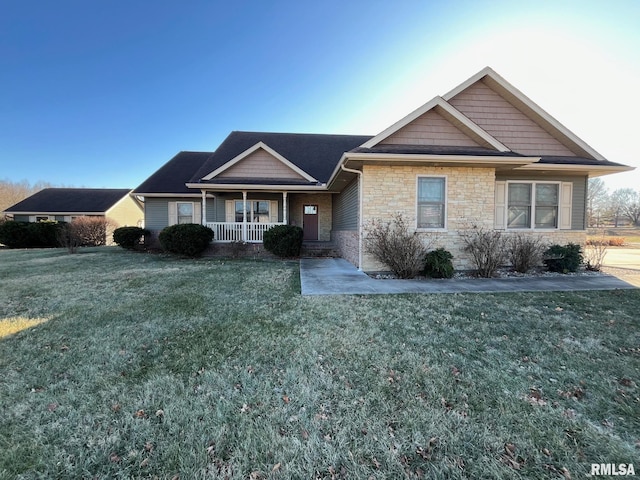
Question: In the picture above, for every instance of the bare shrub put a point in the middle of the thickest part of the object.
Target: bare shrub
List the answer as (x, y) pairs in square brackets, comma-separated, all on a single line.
[(487, 249), (524, 251), (595, 251), (68, 237), (394, 245), (91, 231)]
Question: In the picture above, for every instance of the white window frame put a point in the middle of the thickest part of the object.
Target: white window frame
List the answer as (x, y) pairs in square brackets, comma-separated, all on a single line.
[(193, 211), (532, 221), (250, 210), (445, 209)]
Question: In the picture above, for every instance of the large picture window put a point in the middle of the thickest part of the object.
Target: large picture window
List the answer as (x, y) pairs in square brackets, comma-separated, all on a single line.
[(257, 211), (532, 205), (431, 202)]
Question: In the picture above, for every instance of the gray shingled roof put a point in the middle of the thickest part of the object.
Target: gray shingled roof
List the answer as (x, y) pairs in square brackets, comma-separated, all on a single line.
[(70, 200), (173, 175), (316, 154)]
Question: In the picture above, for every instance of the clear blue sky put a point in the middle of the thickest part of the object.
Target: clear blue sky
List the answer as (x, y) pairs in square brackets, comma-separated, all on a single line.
[(101, 94)]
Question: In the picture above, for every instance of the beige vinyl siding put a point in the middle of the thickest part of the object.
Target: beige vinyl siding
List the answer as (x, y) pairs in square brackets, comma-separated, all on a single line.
[(430, 128), (506, 123), (260, 164), (578, 196), (126, 212), (345, 208)]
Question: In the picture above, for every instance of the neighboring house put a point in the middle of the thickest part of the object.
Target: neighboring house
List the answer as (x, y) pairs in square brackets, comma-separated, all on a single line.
[(65, 204), (482, 155)]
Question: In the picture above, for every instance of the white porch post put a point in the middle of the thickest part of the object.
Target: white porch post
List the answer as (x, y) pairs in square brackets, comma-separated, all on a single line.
[(204, 208), (284, 207), (244, 215)]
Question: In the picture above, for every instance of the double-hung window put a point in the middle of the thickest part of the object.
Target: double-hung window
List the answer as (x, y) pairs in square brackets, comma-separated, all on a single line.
[(185, 212), (431, 202), (533, 205), (257, 211)]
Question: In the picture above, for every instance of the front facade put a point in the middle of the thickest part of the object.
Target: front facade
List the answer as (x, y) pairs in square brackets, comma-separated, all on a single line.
[(483, 155)]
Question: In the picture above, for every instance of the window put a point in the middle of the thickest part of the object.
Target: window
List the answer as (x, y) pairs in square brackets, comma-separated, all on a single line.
[(532, 205), (185, 212), (257, 211), (431, 202)]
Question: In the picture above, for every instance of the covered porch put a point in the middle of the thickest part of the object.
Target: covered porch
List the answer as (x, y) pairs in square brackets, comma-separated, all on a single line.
[(244, 216)]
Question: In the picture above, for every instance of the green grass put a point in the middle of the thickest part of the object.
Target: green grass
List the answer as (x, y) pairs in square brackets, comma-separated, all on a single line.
[(150, 366)]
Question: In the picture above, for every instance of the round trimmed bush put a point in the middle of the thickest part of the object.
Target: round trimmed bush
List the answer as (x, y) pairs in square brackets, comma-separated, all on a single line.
[(190, 239), (283, 240), (129, 237), (438, 264), (563, 258)]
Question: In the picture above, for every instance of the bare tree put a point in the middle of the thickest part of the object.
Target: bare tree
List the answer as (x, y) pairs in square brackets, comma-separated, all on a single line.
[(625, 203), (597, 201), (14, 192)]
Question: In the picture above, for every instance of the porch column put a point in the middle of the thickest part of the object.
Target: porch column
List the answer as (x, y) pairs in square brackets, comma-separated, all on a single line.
[(284, 207), (244, 215), (204, 208)]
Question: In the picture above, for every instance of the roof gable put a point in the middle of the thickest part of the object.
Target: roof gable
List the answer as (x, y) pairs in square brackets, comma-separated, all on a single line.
[(260, 161), (436, 123), (70, 200), (510, 116), (314, 155)]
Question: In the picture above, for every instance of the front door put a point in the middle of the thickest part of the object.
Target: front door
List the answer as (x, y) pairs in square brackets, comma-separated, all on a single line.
[(310, 222)]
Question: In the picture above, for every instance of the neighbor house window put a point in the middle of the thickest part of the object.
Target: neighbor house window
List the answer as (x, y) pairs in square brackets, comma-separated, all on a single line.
[(431, 202), (185, 212), (533, 205), (257, 211)]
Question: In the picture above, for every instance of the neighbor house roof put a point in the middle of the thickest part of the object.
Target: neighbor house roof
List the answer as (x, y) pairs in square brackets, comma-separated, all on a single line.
[(315, 154), (70, 200)]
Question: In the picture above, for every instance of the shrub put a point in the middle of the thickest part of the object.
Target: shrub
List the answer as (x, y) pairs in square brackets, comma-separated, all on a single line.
[(91, 231), (29, 235), (283, 240), (67, 237), (396, 247), (129, 237), (438, 264), (525, 252), (563, 258), (616, 241), (190, 239), (487, 249)]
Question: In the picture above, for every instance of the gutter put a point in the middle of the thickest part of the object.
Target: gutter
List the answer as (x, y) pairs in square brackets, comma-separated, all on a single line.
[(360, 218)]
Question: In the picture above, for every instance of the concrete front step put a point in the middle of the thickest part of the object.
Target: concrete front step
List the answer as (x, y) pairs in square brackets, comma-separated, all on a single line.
[(319, 249)]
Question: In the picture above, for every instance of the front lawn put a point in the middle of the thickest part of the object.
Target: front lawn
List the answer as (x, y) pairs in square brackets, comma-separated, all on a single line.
[(116, 364)]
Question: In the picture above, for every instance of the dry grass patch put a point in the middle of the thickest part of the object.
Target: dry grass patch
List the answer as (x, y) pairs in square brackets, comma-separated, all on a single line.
[(9, 326)]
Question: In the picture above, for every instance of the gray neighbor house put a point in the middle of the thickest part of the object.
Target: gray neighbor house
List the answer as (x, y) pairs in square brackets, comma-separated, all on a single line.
[(483, 154)]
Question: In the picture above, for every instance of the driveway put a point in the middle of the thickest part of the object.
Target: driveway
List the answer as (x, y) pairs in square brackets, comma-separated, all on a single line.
[(336, 276), (624, 263)]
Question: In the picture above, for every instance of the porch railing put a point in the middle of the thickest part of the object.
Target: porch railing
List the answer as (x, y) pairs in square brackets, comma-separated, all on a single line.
[(227, 232)]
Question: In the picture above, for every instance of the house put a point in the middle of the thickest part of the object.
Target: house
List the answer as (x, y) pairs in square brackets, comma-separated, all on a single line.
[(65, 204), (482, 155)]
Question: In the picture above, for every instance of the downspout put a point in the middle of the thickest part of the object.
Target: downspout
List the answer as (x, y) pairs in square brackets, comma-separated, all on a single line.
[(360, 219)]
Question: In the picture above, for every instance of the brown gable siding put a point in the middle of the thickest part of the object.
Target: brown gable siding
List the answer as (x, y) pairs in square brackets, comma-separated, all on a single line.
[(430, 128), (260, 164), (505, 122)]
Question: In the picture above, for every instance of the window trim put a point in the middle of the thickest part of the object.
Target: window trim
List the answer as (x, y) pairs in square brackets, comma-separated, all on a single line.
[(445, 202), (532, 221), (249, 211), (193, 211)]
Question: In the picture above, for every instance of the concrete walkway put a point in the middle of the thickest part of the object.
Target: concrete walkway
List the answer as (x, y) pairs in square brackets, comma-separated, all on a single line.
[(336, 276)]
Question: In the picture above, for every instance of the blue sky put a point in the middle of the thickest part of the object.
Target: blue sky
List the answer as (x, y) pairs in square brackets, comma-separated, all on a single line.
[(101, 94)]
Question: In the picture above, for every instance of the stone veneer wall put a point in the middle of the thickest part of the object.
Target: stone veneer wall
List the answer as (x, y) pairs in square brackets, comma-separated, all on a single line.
[(324, 202), (470, 202), (346, 242)]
